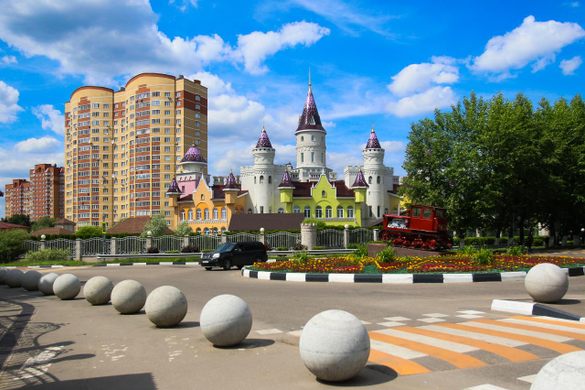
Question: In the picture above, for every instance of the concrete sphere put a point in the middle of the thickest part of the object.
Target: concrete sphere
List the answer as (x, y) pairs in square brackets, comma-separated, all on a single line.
[(14, 278), (30, 280), (97, 290), (566, 372), (3, 272), (166, 306), (546, 283), (128, 296), (46, 283), (66, 286), (225, 320), (334, 345)]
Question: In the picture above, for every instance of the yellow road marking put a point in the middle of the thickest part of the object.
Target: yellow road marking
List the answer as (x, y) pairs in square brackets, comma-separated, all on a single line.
[(401, 366)]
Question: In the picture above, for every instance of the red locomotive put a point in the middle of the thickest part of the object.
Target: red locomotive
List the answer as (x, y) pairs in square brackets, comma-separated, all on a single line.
[(423, 227)]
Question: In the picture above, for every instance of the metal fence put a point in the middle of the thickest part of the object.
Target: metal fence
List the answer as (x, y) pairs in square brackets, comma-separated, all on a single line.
[(205, 243), (360, 236), (167, 244), (32, 246), (61, 243), (285, 240), (330, 238), (130, 244), (95, 245), (239, 237)]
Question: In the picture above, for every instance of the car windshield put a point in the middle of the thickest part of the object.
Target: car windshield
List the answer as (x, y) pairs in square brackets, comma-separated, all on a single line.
[(226, 247)]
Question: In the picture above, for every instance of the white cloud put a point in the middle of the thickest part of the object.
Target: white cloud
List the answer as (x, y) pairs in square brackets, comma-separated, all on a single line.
[(420, 103), (183, 5), (51, 118), (571, 65), (255, 47), (9, 107), (416, 78), (8, 60), (33, 145), (531, 42), (122, 38)]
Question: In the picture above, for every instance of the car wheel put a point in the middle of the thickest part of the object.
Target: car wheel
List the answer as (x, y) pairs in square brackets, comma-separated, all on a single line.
[(227, 265), (208, 268)]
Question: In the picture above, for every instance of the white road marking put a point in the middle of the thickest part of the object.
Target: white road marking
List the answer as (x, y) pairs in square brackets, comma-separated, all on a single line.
[(543, 325), (486, 387), (448, 345), (470, 312), (430, 320), (475, 336), (269, 331), (468, 316), (528, 378), (397, 318), (391, 324), (503, 328), (395, 350), (436, 315), (296, 333)]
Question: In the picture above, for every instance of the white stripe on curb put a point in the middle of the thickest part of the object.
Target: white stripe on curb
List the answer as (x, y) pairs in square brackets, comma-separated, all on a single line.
[(397, 278), (505, 306), (457, 278), (295, 277), (341, 278)]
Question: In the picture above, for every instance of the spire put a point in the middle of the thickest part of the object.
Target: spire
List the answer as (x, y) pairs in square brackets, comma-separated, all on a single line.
[(373, 142), (174, 188), (231, 183), (193, 155), (360, 181), (310, 119), (263, 140), (286, 181)]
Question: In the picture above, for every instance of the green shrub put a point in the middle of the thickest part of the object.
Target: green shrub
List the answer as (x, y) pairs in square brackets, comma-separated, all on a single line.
[(386, 255), (301, 257), (85, 232), (48, 255), (361, 251), (484, 256), (184, 229), (12, 244), (515, 250)]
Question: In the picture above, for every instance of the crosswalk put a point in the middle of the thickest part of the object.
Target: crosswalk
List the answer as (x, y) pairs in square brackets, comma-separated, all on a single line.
[(410, 350)]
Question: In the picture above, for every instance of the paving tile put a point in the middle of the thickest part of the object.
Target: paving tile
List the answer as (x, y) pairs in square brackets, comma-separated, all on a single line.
[(436, 315), (470, 312), (430, 320), (397, 319), (469, 316), (391, 324)]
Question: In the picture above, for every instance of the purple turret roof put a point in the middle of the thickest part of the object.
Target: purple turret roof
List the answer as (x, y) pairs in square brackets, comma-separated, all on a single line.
[(193, 155), (360, 181), (373, 142), (286, 181), (174, 188), (263, 140), (309, 119), (231, 183)]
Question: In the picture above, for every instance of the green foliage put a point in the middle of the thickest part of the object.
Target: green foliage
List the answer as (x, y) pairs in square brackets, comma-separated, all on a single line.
[(184, 229), (47, 255), (386, 255), (515, 250), (484, 256), (12, 244), (43, 222), (19, 219), (301, 256), (361, 251), (157, 226), (88, 232)]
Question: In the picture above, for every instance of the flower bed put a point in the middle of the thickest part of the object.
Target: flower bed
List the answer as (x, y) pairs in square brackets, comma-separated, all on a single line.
[(433, 264)]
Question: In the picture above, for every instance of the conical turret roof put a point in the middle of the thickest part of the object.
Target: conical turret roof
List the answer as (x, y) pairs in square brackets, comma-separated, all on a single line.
[(373, 142), (193, 155), (174, 188), (263, 140), (360, 181), (310, 119), (231, 183), (286, 181)]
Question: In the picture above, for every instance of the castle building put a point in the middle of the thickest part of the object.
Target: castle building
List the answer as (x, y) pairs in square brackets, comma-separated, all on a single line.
[(122, 147)]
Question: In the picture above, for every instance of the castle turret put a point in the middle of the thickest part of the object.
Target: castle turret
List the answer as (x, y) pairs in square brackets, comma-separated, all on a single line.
[(173, 193), (263, 152), (231, 190), (376, 175), (310, 139), (359, 187), (193, 161), (286, 188)]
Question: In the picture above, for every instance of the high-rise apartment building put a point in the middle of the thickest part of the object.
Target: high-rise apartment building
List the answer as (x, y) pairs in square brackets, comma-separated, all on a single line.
[(46, 191), (122, 148), (17, 197)]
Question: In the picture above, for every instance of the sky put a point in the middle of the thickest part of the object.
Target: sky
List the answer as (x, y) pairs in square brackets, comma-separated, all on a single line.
[(381, 64)]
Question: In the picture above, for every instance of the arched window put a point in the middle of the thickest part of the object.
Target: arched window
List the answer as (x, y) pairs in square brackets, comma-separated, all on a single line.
[(198, 214), (307, 212), (378, 212), (323, 194), (254, 179), (302, 138), (370, 180), (215, 231), (182, 215), (261, 179), (296, 209), (328, 212), (206, 214), (269, 179), (312, 156), (222, 230), (302, 157), (198, 231), (190, 215), (339, 212), (249, 211), (280, 210), (206, 231), (350, 212), (202, 197), (318, 212), (224, 213), (378, 180), (215, 213)]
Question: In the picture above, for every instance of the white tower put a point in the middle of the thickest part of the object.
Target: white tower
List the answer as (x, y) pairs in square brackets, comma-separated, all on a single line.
[(311, 145), (378, 177)]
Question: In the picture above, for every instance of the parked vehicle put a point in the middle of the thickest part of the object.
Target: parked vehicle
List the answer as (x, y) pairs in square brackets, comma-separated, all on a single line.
[(237, 254), (423, 227)]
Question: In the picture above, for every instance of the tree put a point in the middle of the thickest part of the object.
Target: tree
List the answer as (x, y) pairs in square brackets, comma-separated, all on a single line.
[(19, 219), (89, 231), (12, 244), (157, 226), (43, 222), (184, 229)]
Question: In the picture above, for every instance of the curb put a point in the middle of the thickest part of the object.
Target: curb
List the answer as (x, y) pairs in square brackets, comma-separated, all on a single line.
[(395, 278), (532, 309), (161, 263)]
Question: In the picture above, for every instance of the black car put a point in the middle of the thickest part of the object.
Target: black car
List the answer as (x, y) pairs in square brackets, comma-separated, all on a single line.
[(235, 253)]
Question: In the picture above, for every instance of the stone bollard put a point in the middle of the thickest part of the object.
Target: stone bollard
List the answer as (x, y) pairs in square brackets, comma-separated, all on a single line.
[(226, 320), (565, 372), (148, 241), (546, 283), (345, 236), (78, 249), (262, 237), (223, 238), (43, 244), (376, 234), (309, 235), (185, 241), (113, 246)]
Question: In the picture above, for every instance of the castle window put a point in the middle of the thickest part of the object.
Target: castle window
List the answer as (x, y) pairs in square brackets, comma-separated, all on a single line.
[(249, 211), (206, 231), (312, 156), (224, 213), (254, 179), (307, 212), (378, 180), (350, 212), (370, 180), (339, 212), (182, 215), (261, 179), (378, 212), (323, 194), (269, 179), (198, 214), (190, 215), (296, 209), (280, 210), (302, 157), (215, 231), (312, 138), (328, 212), (206, 214), (302, 138), (198, 231), (215, 213), (318, 212), (202, 197)]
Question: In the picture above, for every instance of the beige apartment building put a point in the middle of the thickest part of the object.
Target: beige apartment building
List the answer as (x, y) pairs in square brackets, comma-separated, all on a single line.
[(122, 147)]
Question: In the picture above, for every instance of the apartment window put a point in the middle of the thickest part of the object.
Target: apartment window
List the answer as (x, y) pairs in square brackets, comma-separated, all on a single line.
[(197, 97), (215, 214)]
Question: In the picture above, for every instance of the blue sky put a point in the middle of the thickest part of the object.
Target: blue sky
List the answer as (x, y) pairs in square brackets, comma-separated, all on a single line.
[(380, 63)]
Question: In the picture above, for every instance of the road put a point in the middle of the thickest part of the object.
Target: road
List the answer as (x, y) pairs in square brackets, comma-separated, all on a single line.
[(432, 336)]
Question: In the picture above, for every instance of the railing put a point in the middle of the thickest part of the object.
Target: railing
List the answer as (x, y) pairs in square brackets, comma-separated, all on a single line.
[(330, 238), (285, 240), (95, 245), (167, 243), (61, 243), (130, 244), (205, 243), (361, 235), (239, 237)]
